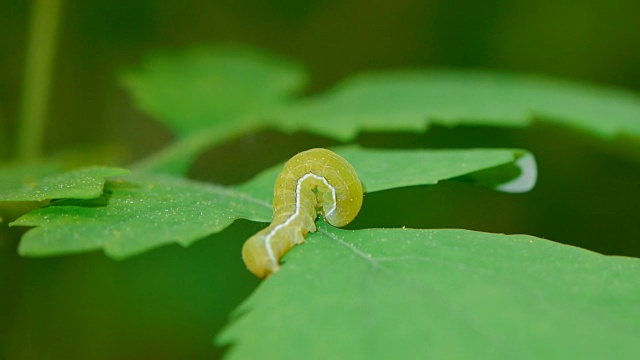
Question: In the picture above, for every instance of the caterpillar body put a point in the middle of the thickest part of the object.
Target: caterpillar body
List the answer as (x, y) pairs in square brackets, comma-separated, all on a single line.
[(313, 181)]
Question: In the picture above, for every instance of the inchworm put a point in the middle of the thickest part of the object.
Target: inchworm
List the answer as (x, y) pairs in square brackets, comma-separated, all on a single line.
[(314, 181)]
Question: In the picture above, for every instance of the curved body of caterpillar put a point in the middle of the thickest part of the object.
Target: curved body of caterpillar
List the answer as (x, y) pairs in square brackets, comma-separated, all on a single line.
[(316, 180)]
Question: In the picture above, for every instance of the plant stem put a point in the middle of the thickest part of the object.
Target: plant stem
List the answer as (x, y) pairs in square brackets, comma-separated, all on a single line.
[(38, 72)]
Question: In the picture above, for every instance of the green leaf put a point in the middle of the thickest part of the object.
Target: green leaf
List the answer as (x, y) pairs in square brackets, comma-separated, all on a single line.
[(411, 101), (140, 212), (41, 182), (136, 213), (518, 176), (207, 95), (196, 89), (387, 169), (440, 294)]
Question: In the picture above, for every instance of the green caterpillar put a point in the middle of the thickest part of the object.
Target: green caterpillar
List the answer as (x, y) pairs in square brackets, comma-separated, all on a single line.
[(313, 181)]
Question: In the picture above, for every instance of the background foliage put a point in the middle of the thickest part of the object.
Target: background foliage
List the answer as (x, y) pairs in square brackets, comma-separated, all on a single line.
[(588, 196)]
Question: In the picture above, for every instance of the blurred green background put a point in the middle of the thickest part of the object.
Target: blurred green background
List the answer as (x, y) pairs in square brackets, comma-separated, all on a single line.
[(169, 303)]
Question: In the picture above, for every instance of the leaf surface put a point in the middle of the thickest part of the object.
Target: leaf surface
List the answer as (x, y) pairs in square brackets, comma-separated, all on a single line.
[(37, 183), (412, 100), (434, 294), (387, 169), (136, 213)]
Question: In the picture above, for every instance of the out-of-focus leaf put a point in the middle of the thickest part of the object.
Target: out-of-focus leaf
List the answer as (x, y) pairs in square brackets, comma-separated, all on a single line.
[(436, 294), (140, 212), (41, 182), (208, 95), (411, 101), (203, 87)]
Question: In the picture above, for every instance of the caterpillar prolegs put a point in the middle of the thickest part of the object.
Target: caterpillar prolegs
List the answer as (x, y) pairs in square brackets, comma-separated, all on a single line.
[(313, 181)]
